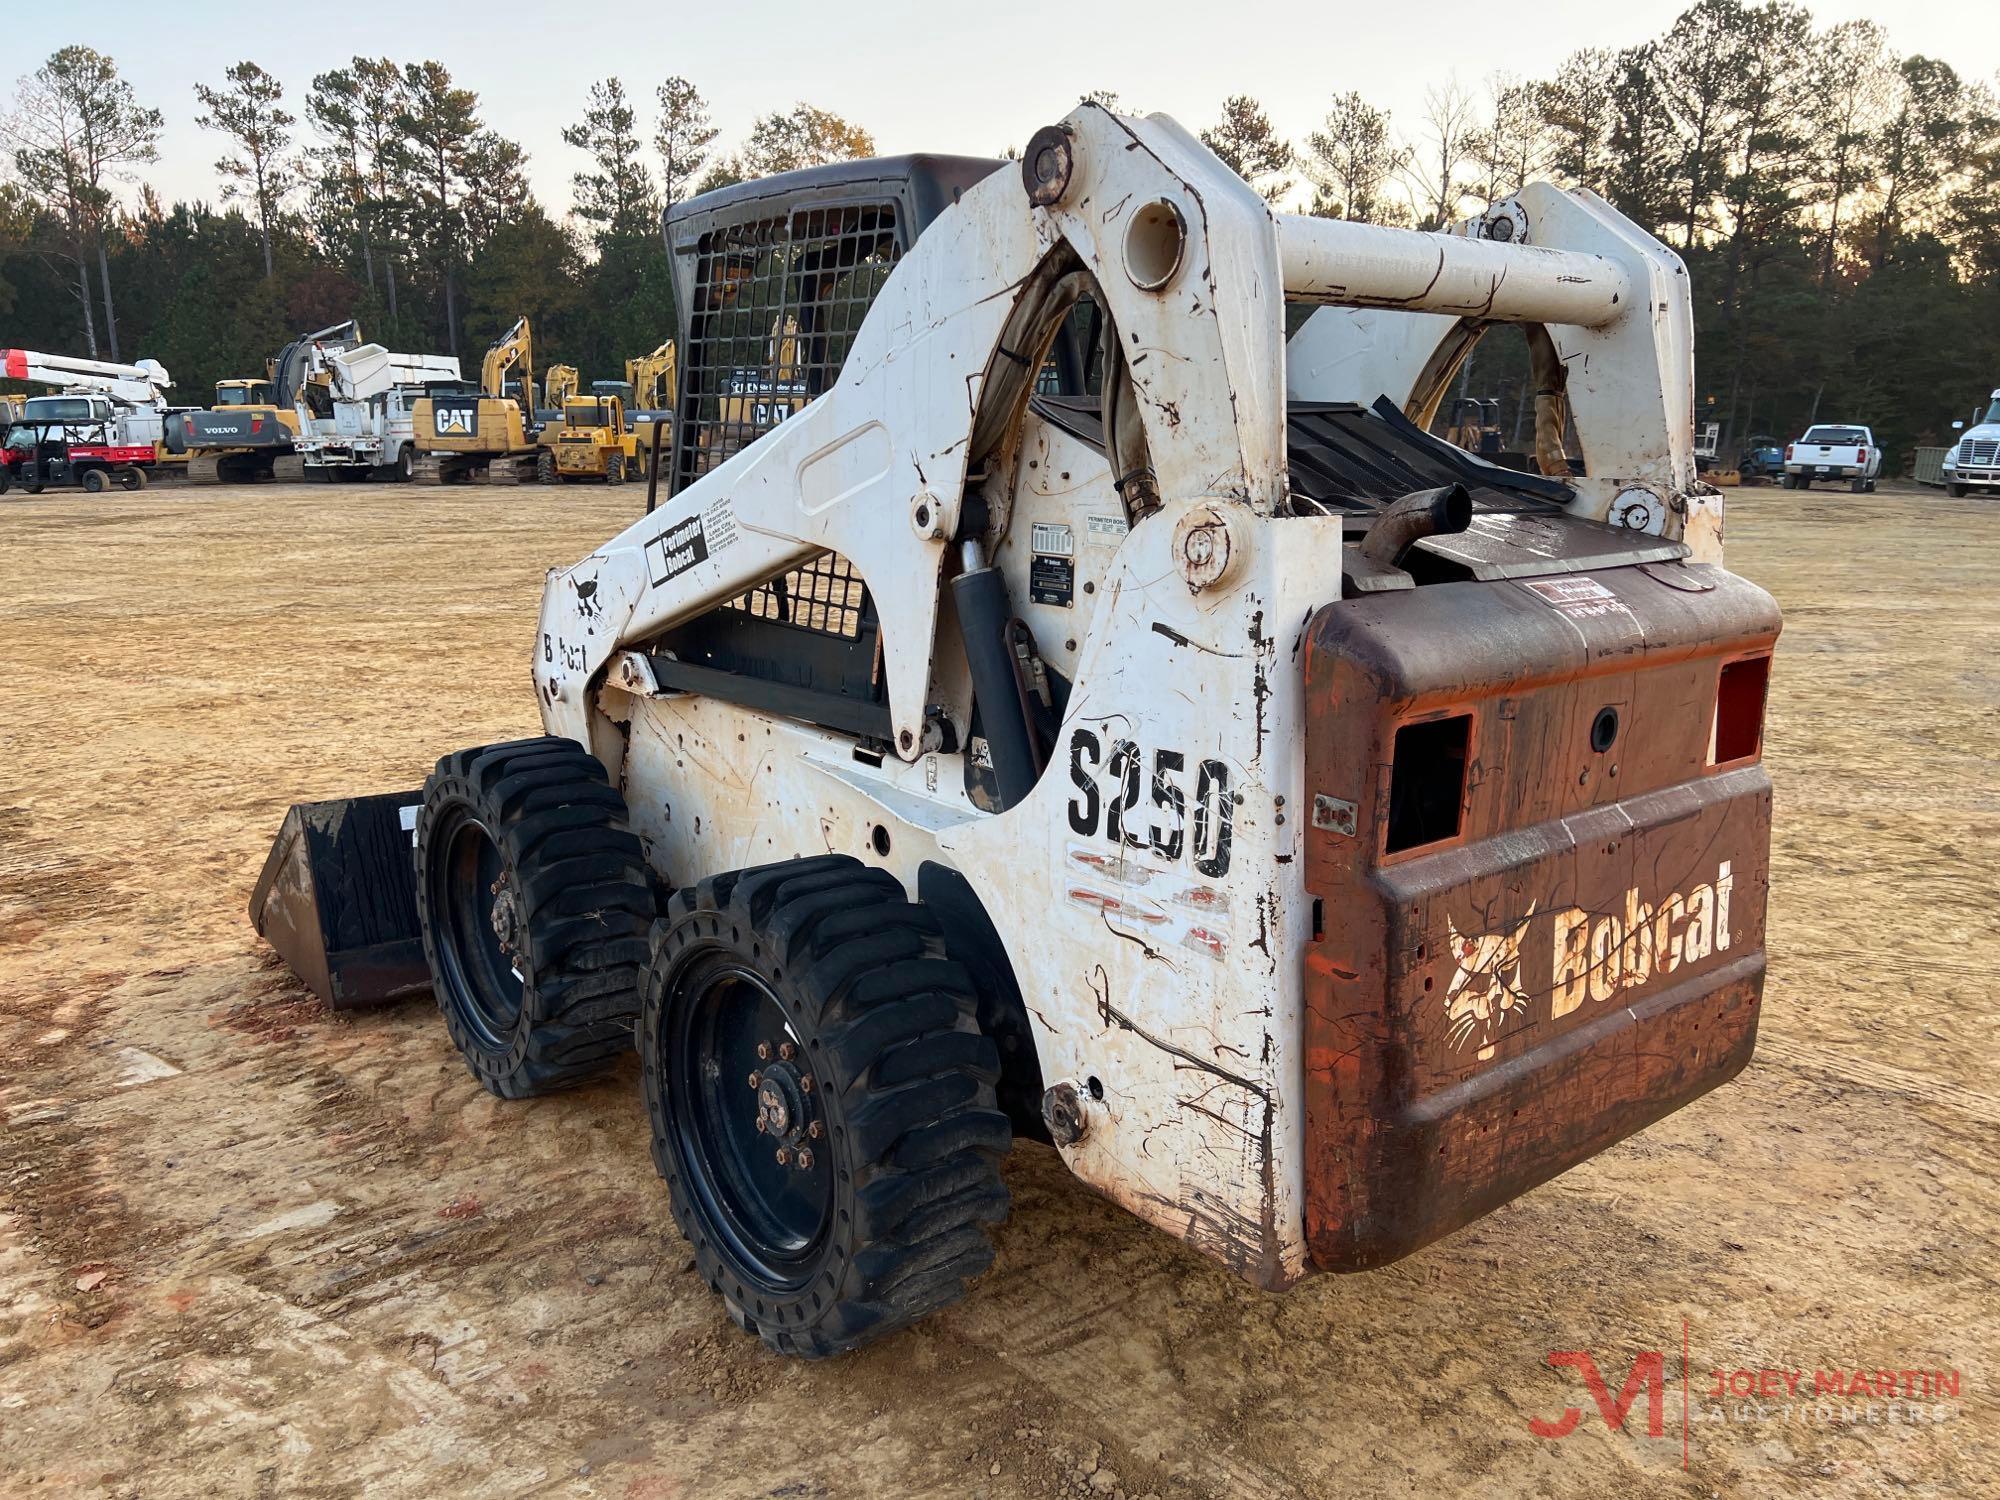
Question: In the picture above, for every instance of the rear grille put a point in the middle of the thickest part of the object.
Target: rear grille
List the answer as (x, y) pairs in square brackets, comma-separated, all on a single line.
[(1983, 452)]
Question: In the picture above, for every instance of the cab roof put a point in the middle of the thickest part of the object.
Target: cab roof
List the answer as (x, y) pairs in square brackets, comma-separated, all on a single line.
[(924, 185)]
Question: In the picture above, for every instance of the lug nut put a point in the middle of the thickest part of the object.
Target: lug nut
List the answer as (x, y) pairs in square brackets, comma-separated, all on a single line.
[(805, 1159), (763, 1051), (783, 1156), (760, 1125), (755, 1079), (815, 1130), (806, 1084), (786, 1050)]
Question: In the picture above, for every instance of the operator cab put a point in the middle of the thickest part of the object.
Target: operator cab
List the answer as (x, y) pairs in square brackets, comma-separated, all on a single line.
[(774, 278)]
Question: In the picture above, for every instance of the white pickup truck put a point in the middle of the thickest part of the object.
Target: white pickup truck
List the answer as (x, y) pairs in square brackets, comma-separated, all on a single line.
[(1973, 461), (1833, 450)]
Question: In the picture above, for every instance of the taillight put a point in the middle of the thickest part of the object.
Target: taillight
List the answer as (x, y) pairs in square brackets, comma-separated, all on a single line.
[(256, 425), (1739, 710), (1788, 453), (1861, 455)]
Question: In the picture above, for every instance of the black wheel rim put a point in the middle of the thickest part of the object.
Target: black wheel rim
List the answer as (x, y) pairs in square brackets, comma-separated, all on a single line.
[(771, 1216), (482, 982)]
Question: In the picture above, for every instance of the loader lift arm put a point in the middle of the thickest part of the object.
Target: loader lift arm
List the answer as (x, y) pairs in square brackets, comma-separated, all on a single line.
[(943, 364)]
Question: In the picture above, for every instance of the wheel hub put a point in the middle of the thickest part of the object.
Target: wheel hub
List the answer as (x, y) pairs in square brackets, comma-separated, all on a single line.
[(506, 916), (781, 1104)]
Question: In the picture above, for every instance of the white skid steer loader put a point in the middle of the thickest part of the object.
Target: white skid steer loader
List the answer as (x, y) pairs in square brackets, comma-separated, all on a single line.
[(1047, 702)]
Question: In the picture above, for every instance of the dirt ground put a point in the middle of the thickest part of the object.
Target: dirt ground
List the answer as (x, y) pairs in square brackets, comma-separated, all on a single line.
[(251, 1247)]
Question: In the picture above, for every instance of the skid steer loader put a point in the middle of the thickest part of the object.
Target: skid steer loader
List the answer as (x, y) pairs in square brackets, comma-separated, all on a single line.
[(1076, 712)]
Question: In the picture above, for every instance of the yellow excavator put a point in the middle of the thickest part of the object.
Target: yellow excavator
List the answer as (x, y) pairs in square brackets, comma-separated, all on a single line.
[(653, 380), (655, 383), (561, 383), (463, 436)]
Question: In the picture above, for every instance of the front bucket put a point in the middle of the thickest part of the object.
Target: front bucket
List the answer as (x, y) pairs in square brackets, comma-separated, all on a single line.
[(338, 899)]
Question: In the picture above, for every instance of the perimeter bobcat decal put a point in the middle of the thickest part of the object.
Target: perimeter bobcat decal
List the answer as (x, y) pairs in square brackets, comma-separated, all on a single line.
[(1487, 985)]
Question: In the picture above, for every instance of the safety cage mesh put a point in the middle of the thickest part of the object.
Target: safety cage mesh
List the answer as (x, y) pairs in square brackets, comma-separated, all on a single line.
[(825, 596), (776, 304)]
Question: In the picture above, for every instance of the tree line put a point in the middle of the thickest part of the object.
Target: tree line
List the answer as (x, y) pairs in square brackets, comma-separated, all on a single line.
[(1837, 205), (383, 193)]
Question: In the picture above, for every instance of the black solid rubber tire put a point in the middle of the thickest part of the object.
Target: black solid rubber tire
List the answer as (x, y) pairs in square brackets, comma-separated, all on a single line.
[(888, 1023), (585, 901), (94, 482)]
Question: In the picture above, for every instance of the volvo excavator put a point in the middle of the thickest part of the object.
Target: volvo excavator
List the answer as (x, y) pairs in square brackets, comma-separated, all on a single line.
[(1065, 692), (487, 435), (252, 430)]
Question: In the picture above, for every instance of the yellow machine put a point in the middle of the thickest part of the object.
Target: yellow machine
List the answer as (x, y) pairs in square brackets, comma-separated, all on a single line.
[(754, 399), (561, 383), (653, 379), (482, 435), (655, 383), (591, 443)]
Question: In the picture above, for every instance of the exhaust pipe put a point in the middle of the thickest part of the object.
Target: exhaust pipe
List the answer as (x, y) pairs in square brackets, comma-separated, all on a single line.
[(1421, 513)]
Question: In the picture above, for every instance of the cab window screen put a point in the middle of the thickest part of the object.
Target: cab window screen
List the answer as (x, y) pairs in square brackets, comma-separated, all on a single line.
[(776, 305)]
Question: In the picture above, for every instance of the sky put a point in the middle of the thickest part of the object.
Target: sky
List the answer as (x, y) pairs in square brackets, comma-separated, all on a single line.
[(922, 77)]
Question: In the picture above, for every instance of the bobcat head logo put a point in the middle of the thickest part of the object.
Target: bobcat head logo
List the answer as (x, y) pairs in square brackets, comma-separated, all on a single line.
[(1487, 985)]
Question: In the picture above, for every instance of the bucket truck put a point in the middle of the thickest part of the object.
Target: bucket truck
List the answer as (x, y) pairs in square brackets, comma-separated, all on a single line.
[(355, 408), (104, 424)]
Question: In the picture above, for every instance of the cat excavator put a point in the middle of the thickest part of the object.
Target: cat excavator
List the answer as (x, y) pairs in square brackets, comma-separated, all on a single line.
[(485, 435)]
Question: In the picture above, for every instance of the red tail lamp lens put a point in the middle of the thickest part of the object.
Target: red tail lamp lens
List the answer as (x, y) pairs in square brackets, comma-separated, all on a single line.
[(1739, 709)]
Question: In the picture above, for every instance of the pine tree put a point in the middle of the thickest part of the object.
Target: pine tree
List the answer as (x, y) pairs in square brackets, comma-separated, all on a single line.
[(616, 194), (1248, 144), (1351, 161), (683, 138), (248, 112)]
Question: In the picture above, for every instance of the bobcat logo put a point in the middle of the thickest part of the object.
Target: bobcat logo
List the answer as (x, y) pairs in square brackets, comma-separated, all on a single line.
[(1487, 985)]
